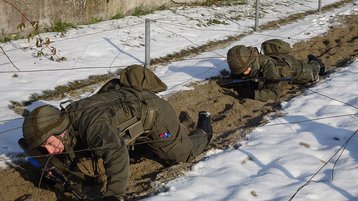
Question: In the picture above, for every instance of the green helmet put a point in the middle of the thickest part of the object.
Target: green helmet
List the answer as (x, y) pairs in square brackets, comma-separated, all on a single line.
[(43, 122), (240, 58)]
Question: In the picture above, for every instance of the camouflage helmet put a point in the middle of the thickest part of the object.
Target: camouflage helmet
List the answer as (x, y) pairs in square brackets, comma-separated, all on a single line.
[(43, 122), (240, 58)]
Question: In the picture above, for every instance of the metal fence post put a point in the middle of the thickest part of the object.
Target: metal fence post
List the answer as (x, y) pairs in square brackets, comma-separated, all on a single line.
[(319, 5), (147, 43), (257, 15)]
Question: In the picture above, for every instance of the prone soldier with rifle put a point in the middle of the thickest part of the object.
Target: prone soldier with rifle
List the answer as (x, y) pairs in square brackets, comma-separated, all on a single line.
[(259, 76), (123, 112), (56, 176)]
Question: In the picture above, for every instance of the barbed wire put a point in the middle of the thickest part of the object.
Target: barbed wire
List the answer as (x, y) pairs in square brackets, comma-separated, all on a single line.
[(301, 121), (83, 35), (198, 45), (80, 68), (117, 55), (354, 43), (125, 66), (342, 148), (311, 9), (295, 122), (92, 149), (124, 46), (332, 98), (187, 39), (116, 146), (186, 81), (63, 69), (196, 28), (256, 33), (311, 120), (156, 19)]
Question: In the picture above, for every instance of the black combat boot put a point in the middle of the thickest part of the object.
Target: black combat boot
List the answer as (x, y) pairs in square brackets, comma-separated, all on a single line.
[(204, 123), (322, 68)]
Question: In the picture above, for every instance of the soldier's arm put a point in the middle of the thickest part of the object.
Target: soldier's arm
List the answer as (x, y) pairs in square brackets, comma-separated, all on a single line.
[(271, 89), (111, 148)]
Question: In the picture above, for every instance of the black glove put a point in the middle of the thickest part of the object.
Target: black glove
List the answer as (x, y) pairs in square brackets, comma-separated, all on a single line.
[(312, 58), (322, 68), (247, 94)]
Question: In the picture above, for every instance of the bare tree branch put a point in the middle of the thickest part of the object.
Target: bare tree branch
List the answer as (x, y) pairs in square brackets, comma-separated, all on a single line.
[(9, 59)]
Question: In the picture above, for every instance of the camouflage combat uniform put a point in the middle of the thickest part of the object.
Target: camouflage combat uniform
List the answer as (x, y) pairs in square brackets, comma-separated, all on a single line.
[(288, 65), (269, 69), (268, 88), (300, 72)]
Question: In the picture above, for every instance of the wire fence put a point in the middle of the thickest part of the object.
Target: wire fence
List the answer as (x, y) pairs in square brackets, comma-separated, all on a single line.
[(160, 24), (276, 124), (156, 22)]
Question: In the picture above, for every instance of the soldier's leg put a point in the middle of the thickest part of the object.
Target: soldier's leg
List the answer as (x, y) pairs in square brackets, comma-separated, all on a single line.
[(307, 73), (322, 68), (170, 141), (313, 68), (178, 146), (200, 140)]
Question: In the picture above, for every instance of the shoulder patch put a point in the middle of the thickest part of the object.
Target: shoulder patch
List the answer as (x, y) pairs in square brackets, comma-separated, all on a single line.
[(164, 135)]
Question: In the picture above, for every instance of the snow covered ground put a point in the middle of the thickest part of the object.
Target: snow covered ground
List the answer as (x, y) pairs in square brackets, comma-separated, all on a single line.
[(274, 161), (107, 46), (278, 158)]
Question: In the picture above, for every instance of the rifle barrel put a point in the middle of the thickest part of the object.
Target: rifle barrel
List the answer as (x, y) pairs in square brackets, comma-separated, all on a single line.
[(235, 81)]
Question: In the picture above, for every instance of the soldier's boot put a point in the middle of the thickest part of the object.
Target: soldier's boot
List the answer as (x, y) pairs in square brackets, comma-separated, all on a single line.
[(204, 123), (322, 68)]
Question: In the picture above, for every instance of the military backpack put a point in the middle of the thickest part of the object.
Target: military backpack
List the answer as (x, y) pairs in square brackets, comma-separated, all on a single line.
[(275, 46)]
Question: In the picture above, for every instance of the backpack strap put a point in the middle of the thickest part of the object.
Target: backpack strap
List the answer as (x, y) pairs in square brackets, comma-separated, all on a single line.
[(134, 127), (148, 105), (131, 129)]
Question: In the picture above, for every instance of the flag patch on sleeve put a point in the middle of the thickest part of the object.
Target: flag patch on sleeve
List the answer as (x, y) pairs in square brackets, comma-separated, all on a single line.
[(164, 135)]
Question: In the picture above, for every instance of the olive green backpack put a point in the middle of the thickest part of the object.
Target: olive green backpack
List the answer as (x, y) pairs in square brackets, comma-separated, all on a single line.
[(275, 46)]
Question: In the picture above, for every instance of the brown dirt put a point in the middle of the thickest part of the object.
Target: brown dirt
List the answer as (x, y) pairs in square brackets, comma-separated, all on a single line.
[(336, 49)]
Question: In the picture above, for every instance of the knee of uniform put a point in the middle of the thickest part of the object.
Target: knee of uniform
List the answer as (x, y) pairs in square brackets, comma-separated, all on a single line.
[(178, 153)]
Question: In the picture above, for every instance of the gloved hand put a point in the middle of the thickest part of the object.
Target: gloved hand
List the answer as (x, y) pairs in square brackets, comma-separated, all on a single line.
[(322, 68), (247, 94), (312, 58)]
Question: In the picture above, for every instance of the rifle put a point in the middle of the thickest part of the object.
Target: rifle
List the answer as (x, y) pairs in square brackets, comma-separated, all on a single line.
[(233, 82), (49, 170)]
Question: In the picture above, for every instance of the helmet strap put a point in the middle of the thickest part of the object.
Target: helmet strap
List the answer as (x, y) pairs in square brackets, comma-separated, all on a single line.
[(62, 138), (250, 59)]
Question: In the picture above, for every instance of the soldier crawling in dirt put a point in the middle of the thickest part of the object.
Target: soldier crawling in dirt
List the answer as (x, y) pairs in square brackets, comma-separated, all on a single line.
[(267, 70), (123, 111)]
